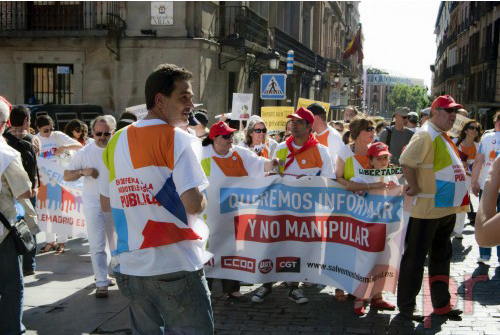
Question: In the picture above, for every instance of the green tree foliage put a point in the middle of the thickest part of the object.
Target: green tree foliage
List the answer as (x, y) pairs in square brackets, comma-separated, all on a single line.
[(413, 97)]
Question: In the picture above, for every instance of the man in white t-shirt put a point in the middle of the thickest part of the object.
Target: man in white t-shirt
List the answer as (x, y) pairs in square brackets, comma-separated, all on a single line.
[(87, 163), (325, 134), (152, 186), (489, 149)]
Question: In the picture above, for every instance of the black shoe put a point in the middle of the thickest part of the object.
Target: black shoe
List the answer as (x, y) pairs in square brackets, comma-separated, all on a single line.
[(413, 315), (28, 272), (453, 315)]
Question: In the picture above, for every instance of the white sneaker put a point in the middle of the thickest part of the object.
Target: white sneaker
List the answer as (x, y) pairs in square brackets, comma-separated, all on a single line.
[(260, 294), (298, 296)]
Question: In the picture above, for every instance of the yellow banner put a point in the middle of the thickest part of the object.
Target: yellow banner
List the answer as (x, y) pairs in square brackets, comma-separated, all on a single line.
[(275, 117), (306, 102)]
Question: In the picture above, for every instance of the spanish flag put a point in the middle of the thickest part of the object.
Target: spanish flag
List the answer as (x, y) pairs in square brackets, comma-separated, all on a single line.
[(356, 45)]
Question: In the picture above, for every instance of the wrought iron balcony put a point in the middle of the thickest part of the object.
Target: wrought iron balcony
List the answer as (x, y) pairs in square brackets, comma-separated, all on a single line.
[(285, 42), (17, 16), (238, 24)]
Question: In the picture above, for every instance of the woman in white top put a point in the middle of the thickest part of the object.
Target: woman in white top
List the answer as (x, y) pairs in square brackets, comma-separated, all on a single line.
[(53, 144), (221, 159), (256, 138)]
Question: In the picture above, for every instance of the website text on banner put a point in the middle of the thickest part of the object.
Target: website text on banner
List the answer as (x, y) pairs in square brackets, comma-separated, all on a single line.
[(276, 117), (305, 230), (59, 204)]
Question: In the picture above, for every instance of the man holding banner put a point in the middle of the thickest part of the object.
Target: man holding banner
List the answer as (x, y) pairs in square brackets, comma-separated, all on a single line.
[(87, 163), (436, 177), (300, 155)]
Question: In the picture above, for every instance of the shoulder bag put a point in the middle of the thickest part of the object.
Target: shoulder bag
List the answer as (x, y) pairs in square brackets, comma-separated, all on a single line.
[(23, 239)]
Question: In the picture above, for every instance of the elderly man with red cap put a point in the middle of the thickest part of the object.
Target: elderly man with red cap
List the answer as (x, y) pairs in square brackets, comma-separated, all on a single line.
[(436, 178), (300, 155)]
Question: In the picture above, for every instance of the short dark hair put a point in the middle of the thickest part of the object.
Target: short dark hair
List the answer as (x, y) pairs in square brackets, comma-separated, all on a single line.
[(318, 110), (162, 80), (128, 116), (44, 120), (18, 114)]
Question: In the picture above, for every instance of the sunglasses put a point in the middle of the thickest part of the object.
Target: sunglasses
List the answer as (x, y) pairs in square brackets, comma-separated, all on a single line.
[(449, 110), (370, 129), (77, 130), (100, 133), (47, 130), (227, 137), (473, 128), (258, 131), (404, 117)]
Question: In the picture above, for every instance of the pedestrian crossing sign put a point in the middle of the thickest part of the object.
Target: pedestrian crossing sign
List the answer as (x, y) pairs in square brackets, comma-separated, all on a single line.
[(273, 86)]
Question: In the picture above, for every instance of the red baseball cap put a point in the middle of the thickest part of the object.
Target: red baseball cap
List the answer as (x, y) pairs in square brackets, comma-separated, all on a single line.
[(220, 128), (303, 114), (378, 149), (444, 101)]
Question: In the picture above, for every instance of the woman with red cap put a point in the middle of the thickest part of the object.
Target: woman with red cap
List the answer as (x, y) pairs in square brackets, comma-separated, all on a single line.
[(221, 159), (359, 155)]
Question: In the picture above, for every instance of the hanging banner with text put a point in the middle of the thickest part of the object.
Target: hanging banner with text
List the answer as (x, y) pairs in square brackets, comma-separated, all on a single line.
[(276, 117), (306, 102), (59, 204), (305, 230)]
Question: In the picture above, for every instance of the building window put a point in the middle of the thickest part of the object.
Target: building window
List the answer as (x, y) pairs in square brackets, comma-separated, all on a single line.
[(48, 83)]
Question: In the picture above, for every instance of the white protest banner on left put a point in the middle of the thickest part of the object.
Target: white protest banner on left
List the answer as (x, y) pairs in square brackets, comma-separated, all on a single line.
[(59, 204), (308, 229), (140, 111)]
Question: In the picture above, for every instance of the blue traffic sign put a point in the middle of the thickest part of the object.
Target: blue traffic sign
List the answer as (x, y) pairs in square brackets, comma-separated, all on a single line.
[(273, 86)]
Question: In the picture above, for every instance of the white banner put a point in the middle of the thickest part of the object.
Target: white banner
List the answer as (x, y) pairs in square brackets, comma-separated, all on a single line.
[(305, 230), (59, 204), (242, 106)]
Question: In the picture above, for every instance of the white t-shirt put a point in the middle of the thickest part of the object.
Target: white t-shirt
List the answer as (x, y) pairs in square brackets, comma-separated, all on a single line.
[(185, 255), (48, 145), (325, 171), (89, 157), (490, 148), (332, 139)]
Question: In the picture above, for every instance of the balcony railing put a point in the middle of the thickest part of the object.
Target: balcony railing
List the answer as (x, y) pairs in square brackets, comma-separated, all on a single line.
[(61, 15), (285, 42), (239, 24)]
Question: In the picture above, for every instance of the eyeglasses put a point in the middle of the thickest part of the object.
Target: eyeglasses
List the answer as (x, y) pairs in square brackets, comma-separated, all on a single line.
[(47, 130), (227, 137), (404, 117), (370, 129), (473, 128), (77, 130), (258, 131), (100, 133)]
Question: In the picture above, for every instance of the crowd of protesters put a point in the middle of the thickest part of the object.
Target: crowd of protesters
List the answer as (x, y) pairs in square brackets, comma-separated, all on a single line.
[(159, 151)]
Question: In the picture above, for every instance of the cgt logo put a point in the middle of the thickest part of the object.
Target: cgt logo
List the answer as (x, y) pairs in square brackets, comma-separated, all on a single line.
[(287, 264), (265, 266), (238, 263)]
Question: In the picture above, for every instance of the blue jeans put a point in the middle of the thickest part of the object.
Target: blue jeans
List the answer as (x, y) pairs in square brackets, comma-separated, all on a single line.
[(11, 289), (28, 262), (173, 303), (485, 253)]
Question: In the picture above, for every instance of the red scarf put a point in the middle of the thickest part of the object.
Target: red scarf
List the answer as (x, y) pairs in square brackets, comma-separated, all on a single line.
[(311, 142)]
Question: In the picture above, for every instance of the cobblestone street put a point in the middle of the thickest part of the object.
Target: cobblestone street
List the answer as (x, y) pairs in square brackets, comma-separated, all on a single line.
[(60, 299)]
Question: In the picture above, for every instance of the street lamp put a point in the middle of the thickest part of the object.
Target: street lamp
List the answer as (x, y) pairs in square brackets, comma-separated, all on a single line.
[(336, 78), (352, 89), (274, 60), (344, 89), (317, 76)]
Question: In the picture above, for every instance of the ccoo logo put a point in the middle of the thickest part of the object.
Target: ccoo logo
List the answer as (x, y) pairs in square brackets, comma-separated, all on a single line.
[(265, 266)]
